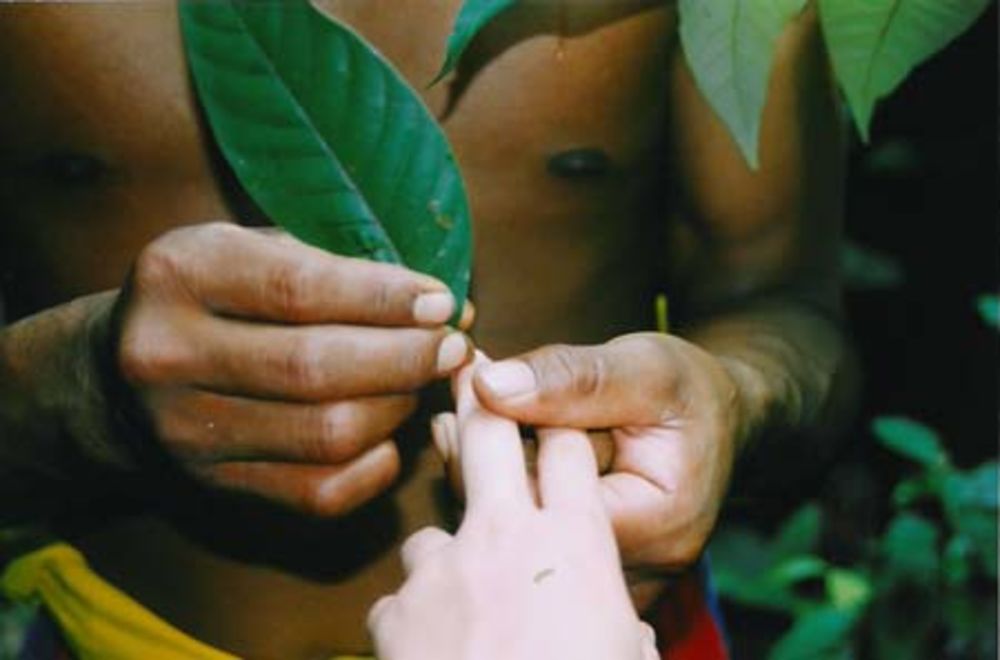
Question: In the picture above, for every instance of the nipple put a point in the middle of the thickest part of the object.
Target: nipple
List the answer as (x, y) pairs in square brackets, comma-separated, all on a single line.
[(579, 163)]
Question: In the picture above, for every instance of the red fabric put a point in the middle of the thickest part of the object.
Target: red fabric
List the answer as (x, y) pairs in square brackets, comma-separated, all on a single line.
[(685, 626)]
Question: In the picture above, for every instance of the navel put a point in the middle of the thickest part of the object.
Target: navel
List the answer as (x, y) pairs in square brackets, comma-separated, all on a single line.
[(580, 163)]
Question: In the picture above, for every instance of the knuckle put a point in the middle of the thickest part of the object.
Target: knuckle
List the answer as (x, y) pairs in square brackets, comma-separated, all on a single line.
[(158, 266), (145, 357), (338, 438), (287, 287), (417, 366), (213, 233), (300, 367), (383, 299), (569, 369)]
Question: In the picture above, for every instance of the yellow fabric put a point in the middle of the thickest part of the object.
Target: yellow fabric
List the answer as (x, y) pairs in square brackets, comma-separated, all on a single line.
[(98, 620)]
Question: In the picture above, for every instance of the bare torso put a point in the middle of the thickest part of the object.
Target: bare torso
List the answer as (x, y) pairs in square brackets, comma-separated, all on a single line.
[(556, 117)]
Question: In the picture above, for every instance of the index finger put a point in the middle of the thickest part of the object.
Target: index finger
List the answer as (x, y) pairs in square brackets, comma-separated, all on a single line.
[(489, 449), (567, 470), (247, 273)]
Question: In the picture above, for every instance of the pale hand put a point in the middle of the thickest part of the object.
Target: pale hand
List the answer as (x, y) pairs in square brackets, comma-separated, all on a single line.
[(523, 578)]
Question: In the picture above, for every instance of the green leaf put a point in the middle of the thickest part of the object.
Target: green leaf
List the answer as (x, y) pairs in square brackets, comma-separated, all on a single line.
[(867, 269), (874, 44), (848, 591), (799, 534), (908, 491), (989, 309), (955, 560), (743, 571), (911, 439), (821, 633), (910, 550), (326, 136), (970, 502), (793, 570), (729, 46), (473, 15)]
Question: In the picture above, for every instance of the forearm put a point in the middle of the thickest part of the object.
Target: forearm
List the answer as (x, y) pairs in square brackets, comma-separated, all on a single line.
[(52, 410), (791, 362)]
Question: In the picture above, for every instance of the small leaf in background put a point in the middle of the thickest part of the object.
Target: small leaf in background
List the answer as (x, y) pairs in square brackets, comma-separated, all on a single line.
[(989, 309), (822, 633), (729, 46), (848, 591), (955, 560), (15, 621), (874, 44), (909, 491), (327, 138), (799, 535), (867, 269), (911, 439), (739, 557), (792, 570), (910, 549), (970, 503), (473, 15), (892, 158)]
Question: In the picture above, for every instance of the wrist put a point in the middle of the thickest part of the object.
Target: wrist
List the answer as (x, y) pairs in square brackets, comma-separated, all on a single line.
[(52, 396)]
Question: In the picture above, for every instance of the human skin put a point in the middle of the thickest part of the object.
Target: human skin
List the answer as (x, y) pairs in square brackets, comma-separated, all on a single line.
[(103, 152), (530, 573)]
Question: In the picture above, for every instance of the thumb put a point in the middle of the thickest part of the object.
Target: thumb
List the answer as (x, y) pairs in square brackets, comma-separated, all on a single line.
[(634, 380)]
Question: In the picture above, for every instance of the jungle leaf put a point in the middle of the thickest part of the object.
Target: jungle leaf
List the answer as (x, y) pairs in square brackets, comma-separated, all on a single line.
[(989, 309), (799, 534), (911, 439), (729, 46), (910, 549), (473, 15), (821, 633), (970, 502), (326, 136), (874, 44), (867, 269)]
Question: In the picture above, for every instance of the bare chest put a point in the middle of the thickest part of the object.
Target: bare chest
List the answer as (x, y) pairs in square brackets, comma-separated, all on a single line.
[(555, 115)]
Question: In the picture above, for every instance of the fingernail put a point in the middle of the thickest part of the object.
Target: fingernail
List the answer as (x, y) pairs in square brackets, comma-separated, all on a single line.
[(468, 316), (449, 423), (440, 436), (452, 352), (433, 308), (509, 378)]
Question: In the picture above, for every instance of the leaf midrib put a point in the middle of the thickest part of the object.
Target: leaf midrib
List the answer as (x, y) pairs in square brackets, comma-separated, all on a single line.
[(327, 148), (879, 47)]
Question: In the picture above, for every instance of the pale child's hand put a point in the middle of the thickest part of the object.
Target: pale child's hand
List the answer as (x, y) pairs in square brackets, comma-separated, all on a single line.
[(523, 578)]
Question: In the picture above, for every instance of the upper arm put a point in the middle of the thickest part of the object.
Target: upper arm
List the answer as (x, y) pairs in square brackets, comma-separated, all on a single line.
[(742, 233)]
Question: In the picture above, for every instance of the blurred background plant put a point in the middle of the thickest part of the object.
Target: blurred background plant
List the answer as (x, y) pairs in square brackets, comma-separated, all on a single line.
[(894, 555)]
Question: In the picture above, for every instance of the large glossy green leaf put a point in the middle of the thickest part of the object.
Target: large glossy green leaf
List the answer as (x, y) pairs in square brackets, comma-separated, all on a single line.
[(875, 44), (326, 136), (729, 46), (473, 15)]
